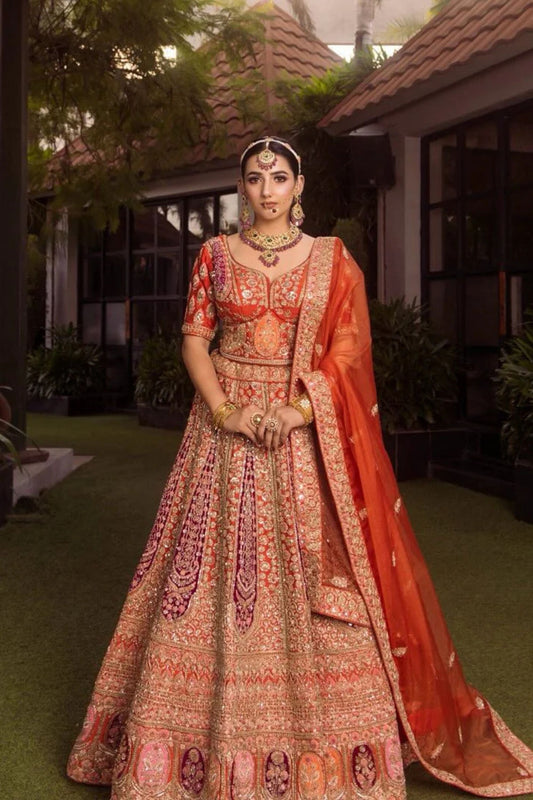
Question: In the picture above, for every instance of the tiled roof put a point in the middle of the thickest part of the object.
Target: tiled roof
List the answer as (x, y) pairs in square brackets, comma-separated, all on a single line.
[(467, 36), (286, 48)]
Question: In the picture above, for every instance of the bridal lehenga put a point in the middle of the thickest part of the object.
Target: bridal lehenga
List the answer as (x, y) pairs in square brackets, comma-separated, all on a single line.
[(281, 638)]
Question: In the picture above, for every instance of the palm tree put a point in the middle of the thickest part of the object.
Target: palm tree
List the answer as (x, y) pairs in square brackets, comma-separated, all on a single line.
[(401, 29), (302, 14), (437, 6)]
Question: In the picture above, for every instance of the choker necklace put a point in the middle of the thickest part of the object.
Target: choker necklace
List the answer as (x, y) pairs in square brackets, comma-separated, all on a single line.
[(270, 244)]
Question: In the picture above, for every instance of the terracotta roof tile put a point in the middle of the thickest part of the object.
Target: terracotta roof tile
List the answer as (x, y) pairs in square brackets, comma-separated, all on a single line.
[(287, 49), (463, 31)]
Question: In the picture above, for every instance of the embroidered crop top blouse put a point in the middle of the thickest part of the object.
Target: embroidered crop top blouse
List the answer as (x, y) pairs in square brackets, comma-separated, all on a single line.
[(258, 316)]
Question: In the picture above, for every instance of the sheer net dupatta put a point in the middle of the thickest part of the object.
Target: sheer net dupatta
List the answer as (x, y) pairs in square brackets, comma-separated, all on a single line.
[(449, 725)]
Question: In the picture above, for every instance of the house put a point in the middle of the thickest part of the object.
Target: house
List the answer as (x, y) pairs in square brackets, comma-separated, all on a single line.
[(455, 105), (122, 286)]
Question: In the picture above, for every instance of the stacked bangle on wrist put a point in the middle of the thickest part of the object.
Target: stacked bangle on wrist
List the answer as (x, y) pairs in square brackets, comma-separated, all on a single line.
[(302, 403), (222, 412)]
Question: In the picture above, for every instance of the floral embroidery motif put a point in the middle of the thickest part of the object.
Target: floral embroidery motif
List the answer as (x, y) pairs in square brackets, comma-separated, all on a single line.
[(147, 558), (277, 773), (311, 776), (437, 751), (451, 659), (183, 578), (245, 587), (115, 726), (193, 770), (122, 760), (153, 766), (267, 335), (398, 505), (399, 651), (364, 767), (374, 410), (479, 703), (90, 724), (393, 758), (334, 773), (219, 266), (243, 776)]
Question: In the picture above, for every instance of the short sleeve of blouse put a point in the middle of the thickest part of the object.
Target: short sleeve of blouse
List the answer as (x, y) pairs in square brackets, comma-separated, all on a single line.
[(200, 315)]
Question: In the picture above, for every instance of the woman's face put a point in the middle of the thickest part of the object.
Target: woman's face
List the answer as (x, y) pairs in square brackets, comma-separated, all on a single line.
[(270, 192)]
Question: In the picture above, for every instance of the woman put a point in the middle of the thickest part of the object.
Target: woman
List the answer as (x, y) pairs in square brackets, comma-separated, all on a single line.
[(281, 637)]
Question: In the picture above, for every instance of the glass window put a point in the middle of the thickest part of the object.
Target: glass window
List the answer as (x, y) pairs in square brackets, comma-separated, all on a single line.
[(229, 214), (115, 323), (481, 234), (480, 403), (443, 307), (168, 317), (521, 148), (168, 225), (143, 323), (482, 309), (114, 276), (443, 169), (200, 220), (143, 237), (481, 157), (117, 239), (168, 274), (521, 291), (443, 239), (92, 277), (520, 242), (142, 278), (91, 324)]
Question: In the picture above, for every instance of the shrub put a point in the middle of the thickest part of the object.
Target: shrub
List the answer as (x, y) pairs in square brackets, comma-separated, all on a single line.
[(162, 379), (415, 368), (66, 367), (514, 392)]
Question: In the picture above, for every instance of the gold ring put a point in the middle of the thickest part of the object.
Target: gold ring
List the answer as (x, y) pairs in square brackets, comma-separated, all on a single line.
[(272, 424), (255, 419)]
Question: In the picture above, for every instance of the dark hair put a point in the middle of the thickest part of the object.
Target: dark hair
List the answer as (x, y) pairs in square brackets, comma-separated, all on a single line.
[(278, 146)]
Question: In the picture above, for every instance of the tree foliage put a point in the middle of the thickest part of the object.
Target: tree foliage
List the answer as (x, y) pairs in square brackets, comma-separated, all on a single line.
[(120, 89), (325, 158), (300, 10)]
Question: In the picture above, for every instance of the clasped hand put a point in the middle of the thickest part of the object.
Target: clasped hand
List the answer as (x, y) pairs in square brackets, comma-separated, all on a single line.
[(267, 434)]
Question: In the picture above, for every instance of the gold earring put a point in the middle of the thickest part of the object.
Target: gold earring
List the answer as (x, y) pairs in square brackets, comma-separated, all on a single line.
[(297, 215), (245, 218)]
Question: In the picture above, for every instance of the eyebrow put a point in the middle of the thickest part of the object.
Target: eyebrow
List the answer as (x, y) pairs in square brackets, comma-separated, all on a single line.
[(277, 172)]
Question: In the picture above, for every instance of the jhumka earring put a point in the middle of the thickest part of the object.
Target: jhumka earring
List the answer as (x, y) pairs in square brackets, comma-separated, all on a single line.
[(297, 215), (245, 218)]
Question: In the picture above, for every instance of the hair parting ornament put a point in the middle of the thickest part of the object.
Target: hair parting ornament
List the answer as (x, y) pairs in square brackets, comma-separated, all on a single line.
[(266, 158)]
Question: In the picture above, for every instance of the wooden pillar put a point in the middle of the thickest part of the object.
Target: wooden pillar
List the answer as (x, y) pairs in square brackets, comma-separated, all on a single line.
[(13, 202)]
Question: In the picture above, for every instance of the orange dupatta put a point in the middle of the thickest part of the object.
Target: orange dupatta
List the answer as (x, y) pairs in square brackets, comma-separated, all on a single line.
[(450, 727)]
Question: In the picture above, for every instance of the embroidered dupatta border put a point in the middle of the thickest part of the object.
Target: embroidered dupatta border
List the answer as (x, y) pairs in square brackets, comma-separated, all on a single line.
[(319, 278)]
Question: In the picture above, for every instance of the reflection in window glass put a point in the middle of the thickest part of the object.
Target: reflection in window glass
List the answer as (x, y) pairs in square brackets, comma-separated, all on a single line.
[(142, 278), (168, 317), (482, 322), (521, 290), (168, 223), (115, 323), (443, 307), (521, 229), (116, 240), (92, 278), (229, 214), (114, 276), (443, 239), (143, 237), (443, 169), (481, 234), (91, 324), (142, 319), (201, 219), (521, 148), (168, 273), (481, 157)]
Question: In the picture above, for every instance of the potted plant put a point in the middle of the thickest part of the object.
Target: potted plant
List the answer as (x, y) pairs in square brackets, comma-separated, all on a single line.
[(65, 376), (514, 396), (416, 381), (163, 389)]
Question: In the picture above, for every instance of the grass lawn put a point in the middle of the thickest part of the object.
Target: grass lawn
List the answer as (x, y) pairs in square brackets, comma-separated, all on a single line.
[(64, 573)]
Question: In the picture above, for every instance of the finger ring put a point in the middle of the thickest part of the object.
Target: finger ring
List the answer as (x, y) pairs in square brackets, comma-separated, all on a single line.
[(272, 424), (255, 419)]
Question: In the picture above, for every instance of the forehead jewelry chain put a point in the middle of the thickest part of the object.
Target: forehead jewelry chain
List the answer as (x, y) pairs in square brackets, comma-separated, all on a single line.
[(267, 159), (270, 244)]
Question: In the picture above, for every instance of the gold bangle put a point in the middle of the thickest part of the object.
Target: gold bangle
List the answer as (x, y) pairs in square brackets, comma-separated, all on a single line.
[(222, 412), (302, 403)]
